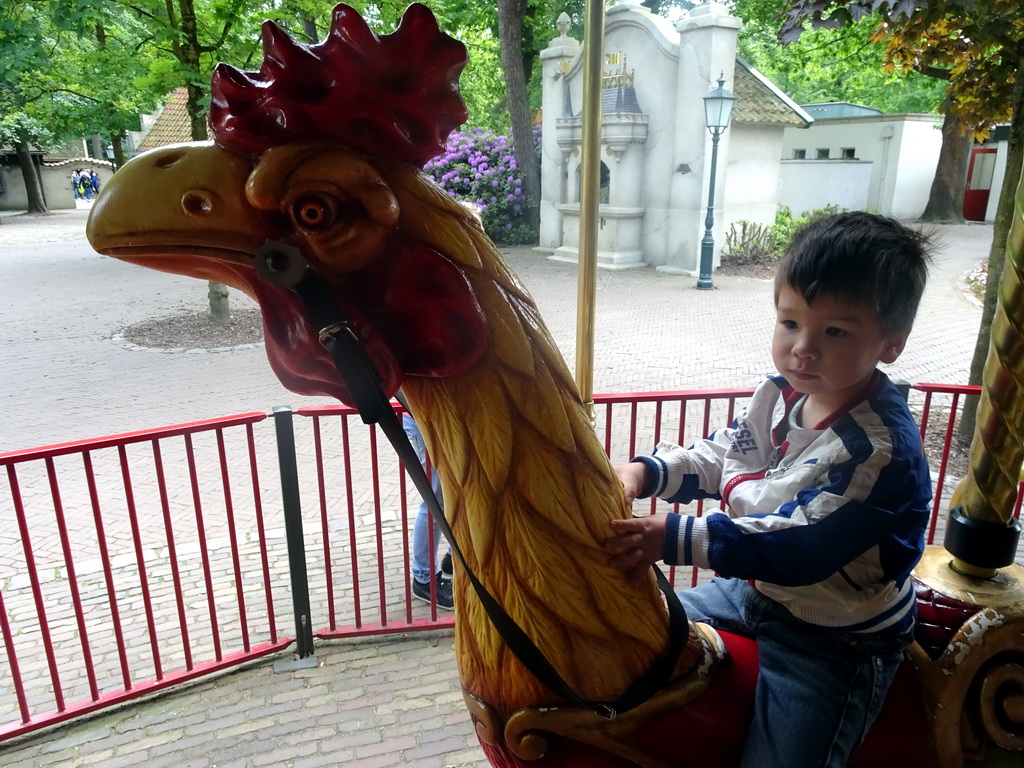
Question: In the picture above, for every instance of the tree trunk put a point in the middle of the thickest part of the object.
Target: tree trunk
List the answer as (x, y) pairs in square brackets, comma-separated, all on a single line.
[(186, 50), (219, 309), (118, 145), (309, 29), (946, 199), (97, 147), (33, 184), (997, 253), (511, 14)]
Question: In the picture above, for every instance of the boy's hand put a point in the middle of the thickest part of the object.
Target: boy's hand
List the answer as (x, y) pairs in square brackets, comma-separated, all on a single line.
[(633, 477), (636, 544)]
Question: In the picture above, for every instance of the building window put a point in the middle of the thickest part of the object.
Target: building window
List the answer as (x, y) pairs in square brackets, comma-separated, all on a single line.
[(823, 154), (799, 154), (849, 153)]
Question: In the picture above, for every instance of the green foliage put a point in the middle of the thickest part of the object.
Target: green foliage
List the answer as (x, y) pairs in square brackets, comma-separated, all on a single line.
[(21, 129), (844, 64), (750, 244), (482, 83), (786, 223), (975, 47), (73, 65)]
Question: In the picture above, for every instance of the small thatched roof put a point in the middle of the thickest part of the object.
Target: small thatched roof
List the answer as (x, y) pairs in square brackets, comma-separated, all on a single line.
[(760, 102), (172, 125)]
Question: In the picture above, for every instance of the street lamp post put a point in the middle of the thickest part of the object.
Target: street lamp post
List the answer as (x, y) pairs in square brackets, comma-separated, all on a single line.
[(717, 114)]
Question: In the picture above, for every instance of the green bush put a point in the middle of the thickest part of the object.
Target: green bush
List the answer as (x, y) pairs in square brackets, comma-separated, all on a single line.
[(748, 243)]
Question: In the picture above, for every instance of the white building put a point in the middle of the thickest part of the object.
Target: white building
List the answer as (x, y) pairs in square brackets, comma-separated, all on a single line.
[(873, 161), (859, 158)]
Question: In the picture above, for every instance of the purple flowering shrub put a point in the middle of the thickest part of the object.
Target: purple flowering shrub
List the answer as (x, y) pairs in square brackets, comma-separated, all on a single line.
[(478, 167)]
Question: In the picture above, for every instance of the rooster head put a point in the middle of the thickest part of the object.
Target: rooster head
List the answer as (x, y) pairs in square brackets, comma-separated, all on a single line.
[(308, 158)]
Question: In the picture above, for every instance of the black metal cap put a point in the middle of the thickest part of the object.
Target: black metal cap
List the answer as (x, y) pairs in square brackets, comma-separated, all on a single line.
[(979, 543)]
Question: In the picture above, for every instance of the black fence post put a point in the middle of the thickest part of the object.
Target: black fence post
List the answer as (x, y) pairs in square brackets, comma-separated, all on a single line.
[(903, 387), (293, 530)]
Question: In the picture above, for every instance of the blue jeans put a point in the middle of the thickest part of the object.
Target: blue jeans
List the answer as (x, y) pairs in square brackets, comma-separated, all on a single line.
[(421, 529), (818, 689)]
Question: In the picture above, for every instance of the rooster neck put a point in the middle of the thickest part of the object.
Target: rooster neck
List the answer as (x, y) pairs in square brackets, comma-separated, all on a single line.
[(529, 493), (528, 489)]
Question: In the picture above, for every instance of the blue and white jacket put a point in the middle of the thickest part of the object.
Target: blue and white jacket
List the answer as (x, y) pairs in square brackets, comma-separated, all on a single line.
[(828, 521)]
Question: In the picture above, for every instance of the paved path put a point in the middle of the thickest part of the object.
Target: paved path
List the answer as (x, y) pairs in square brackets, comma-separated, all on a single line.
[(373, 702)]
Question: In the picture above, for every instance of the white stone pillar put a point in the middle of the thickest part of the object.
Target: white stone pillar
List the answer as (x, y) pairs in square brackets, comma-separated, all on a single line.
[(556, 64), (707, 48)]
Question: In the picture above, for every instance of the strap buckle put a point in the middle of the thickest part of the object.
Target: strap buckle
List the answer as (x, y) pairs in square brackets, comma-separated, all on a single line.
[(334, 330)]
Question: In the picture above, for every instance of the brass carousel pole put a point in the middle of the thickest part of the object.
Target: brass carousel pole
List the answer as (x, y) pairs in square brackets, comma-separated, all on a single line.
[(974, 679), (586, 298), (982, 533)]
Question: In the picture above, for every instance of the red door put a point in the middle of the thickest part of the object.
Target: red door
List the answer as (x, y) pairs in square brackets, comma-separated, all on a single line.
[(979, 183)]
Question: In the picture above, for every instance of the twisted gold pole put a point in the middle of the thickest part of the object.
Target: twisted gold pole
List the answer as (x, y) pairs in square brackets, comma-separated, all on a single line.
[(988, 494), (990, 489), (590, 175)]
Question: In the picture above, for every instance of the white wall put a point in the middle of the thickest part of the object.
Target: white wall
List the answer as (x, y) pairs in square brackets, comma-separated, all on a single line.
[(753, 177), (903, 151), (56, 185), (808, 185), (998, 175), (919, 143)]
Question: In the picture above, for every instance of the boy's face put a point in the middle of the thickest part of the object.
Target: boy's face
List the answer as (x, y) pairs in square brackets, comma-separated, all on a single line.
[(828, 350)]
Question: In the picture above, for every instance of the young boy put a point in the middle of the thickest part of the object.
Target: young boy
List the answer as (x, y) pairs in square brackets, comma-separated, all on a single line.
[(827, 492)]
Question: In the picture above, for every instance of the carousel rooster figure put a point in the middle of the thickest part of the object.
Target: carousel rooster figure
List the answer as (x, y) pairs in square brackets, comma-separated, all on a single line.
[(314, 177)]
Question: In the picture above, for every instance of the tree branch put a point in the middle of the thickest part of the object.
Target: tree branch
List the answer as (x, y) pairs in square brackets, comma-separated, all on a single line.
[(213, 47)]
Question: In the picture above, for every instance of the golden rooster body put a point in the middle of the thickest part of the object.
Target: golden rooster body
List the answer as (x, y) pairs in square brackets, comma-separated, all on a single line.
[(529, 491)]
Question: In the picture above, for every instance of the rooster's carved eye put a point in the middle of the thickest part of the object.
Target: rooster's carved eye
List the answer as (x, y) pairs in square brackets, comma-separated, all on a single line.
[(313, 212)]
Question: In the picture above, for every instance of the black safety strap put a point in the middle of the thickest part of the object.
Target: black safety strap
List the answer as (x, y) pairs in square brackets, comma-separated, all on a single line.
[(364, 385)]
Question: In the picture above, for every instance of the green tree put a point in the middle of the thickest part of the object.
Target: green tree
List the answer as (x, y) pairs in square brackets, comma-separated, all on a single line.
[(23, 50), (22, 132), (71, 66), (840, 64)]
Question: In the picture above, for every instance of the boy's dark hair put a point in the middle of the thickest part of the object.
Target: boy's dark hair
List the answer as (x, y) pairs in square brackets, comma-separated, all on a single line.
[(861, 258)]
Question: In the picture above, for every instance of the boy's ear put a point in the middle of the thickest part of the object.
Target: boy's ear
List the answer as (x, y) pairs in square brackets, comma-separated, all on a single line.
[(894, 346)]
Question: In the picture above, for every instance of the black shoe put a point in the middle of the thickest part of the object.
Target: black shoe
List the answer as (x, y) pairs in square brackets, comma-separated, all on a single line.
[(446, 566), (442, 592)]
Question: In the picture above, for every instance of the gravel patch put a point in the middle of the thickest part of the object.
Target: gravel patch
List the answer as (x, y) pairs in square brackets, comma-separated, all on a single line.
[(196, 330)]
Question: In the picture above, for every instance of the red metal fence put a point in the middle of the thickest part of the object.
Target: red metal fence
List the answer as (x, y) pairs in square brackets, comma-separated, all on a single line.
[(134, 562), (129, 564)]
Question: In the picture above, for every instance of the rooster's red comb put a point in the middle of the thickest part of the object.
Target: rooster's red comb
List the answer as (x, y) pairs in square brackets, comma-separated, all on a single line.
[(395, 95)]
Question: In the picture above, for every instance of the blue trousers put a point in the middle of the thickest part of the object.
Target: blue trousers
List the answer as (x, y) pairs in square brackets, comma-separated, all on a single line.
[(421, 529), (818, 689)]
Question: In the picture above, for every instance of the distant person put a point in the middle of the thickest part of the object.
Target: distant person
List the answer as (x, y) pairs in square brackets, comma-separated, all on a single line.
[(94, 182), (76, 180), (85, 184), (421, 532)]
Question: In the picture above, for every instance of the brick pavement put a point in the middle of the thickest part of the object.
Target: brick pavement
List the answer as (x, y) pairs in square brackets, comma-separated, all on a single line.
[(372, 702)]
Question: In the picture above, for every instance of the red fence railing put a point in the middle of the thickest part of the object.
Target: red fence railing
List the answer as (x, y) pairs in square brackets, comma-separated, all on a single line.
[(134, 562), (139, 561)]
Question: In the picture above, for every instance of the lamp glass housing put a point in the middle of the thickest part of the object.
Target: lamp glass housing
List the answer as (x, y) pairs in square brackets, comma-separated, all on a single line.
[(718, 107)]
